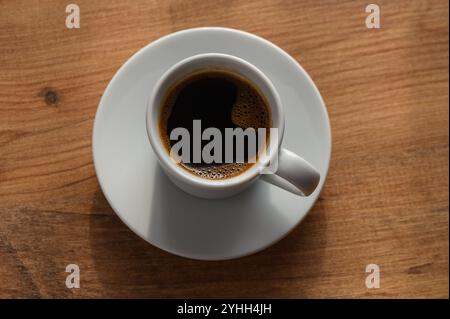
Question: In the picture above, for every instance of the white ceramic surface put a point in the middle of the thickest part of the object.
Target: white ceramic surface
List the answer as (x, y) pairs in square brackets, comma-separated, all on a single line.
[(161, 213)]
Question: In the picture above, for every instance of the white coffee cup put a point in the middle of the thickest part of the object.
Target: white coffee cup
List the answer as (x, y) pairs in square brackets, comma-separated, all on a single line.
[(294, 174)]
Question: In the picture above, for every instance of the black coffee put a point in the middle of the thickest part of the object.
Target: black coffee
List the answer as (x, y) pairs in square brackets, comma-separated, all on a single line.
[(218, 99)]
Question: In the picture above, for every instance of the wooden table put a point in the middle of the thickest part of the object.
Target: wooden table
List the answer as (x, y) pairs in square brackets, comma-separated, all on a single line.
[(385, 202)]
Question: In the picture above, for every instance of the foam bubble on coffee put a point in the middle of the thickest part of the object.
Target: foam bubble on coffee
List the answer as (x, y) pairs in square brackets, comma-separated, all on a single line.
[(247, 110)]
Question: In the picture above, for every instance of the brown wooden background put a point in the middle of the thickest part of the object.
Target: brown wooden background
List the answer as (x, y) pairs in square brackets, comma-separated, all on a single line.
[(386, 200)]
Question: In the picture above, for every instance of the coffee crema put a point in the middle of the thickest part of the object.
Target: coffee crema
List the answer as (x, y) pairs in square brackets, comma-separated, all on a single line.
[(219, 99)]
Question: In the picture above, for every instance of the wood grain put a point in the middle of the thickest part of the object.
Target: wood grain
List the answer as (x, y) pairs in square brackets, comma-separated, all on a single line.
[(385, 202)]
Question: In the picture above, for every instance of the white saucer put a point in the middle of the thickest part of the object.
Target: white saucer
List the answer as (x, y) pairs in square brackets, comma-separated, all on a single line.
[(154, 208)]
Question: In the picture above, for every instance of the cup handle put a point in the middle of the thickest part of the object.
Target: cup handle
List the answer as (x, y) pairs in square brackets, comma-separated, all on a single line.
[(294, 174)]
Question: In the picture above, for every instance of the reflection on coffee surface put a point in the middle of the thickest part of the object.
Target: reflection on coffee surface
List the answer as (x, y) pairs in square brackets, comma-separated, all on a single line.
[(215, 99)]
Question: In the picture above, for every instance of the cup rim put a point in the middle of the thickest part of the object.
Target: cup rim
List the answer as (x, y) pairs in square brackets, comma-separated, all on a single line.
[(152, 126)]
